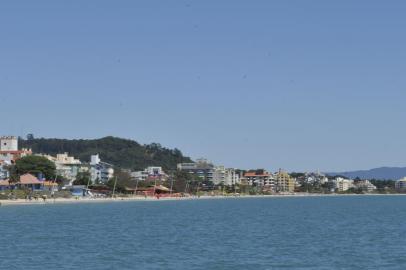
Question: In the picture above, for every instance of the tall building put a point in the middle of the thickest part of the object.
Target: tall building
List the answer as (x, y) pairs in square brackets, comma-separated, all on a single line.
[(219, 174), (100, 172), (201, 168), (9, 149), (231, 177), (284, 183), (9, 143)]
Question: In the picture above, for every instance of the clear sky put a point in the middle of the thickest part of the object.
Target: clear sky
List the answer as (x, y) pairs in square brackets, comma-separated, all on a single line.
[(301, 85)]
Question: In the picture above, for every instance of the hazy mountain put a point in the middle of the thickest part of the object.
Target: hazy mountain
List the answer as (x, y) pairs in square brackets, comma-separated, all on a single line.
[(382, 173), (120, 152)]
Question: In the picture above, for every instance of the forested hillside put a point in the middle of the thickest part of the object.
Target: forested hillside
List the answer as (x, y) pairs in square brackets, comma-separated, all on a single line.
[(123, 153)]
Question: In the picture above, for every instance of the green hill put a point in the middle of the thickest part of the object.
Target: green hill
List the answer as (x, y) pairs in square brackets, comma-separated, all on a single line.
[(123, 153)]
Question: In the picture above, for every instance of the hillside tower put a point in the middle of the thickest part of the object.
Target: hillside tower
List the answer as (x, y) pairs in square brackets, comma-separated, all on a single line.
[(9, 143)]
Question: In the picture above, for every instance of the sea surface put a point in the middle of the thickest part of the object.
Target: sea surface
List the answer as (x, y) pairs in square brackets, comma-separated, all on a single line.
[(347, 232)]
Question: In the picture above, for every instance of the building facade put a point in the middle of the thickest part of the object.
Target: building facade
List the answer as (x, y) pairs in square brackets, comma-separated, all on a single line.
[(9, 149), (400, 185), (152, 172), (66, 166), (4, 174), (283, 182), (260, 178), (340, 184), (100, 172), (365, 186), (201, 168)]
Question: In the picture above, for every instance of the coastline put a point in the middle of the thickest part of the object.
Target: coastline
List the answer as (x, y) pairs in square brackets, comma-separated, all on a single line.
[(153, 199)]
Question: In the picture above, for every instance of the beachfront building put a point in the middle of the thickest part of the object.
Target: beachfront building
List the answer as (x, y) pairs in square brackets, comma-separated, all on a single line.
[(100, 172), (400, 185), (225, 176), (30, 182), (231, 177), (150, 173), (315, 178), (260, 178), (340, 184), (9, 149), (201, 168), (66, 166), (4, 174), (365, 186), (219, 174), (283, 182)]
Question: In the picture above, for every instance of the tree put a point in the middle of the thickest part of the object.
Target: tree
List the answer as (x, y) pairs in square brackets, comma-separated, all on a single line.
[(82, 179), (12, 170), (123, 180), (35, 165), (180, 180), (120, 152)]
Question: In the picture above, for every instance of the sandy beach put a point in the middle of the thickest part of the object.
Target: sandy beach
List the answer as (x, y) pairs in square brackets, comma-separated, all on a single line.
[(154, 199)]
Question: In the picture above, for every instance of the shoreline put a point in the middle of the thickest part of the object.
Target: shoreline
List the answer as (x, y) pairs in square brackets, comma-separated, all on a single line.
[(153, 199)]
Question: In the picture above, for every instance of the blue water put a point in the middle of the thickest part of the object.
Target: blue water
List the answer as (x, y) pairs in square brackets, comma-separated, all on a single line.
[(363, 232)]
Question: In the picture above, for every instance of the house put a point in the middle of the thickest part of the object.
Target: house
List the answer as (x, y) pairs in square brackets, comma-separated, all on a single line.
[(29, 181), (50, 186), (5, 185)]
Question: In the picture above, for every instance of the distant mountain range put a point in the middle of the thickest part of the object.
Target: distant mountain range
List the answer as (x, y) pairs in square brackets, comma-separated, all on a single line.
[(383, 173)]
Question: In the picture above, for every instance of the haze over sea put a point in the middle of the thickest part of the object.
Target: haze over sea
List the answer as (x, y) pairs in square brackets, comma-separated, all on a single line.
[(337, 232)]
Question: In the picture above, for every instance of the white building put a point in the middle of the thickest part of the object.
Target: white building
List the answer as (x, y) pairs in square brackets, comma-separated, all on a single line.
[(9, 143), (100, 172), (219, 174), (4, 174), (340, 184), (9, 149), (231, 177), (315, 178), (365, 186)]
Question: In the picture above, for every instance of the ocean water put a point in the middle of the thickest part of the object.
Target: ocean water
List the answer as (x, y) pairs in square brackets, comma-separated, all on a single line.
[(353, 232)]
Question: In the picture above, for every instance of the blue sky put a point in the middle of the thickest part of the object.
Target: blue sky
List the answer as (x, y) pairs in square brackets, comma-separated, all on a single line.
[(299, 85)]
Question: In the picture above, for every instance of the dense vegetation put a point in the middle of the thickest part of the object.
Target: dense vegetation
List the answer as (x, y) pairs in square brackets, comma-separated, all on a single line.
[(119, 152), (34, 165)]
